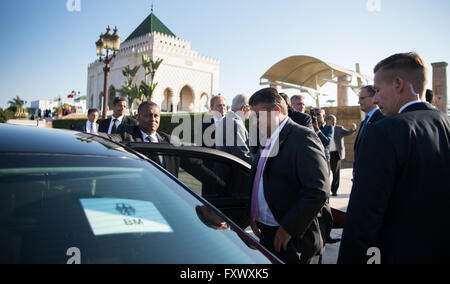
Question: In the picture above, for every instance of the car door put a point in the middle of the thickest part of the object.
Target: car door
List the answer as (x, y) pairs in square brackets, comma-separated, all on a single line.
[(218, 177)]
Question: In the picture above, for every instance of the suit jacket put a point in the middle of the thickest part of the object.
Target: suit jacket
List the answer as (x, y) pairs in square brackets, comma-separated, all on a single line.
[(82, 126), (297, 186), (129, 133), (375, 117), (326, 134), (300, 118), (339, 133), (232, 137), (401, 195), (104, 124)]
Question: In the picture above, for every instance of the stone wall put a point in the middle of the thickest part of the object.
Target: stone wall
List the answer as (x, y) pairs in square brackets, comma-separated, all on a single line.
[(345, 117)]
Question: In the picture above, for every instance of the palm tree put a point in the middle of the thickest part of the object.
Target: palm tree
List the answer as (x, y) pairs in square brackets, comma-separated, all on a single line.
[(146, 90), (150, 67), (129, 90), (130, 74), (16, 105)]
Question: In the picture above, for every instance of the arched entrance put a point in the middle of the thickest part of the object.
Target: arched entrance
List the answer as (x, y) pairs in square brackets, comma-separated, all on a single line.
[(100, 100), (111, 96), (167, 104), (187, 99), (204, 102)]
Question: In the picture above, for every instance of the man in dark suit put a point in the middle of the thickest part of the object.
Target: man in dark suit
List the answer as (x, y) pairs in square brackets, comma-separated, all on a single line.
[(372, 111), (218, 109), (324, 131), (147, 132), (298, 117), (398, 210), (287, 200), (337, 150), (111, 125), (90, 126)]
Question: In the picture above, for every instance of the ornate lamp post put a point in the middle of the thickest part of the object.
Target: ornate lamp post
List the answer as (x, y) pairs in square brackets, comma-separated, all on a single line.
[(108, 42)]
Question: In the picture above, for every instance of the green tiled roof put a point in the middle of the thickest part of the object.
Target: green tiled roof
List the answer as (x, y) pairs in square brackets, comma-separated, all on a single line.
[(149, 25)]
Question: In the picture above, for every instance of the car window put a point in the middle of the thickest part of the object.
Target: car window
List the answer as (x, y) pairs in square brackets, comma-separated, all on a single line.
[(205, 174), (221, 181), (112, 210)]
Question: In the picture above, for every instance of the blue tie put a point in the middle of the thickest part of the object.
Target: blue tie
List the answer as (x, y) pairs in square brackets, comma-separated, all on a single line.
[(363, 126)]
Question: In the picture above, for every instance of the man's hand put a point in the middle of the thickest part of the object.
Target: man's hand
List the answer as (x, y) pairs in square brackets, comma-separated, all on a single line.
[(354, 127), (282, 239), (255, 229)]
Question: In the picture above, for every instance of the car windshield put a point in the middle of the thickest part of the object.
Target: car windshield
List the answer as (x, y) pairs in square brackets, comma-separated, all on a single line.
[(107, 210)]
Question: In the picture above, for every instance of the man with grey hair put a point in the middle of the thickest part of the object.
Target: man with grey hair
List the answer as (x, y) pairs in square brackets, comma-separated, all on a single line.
[(231, 134), (299, 103)]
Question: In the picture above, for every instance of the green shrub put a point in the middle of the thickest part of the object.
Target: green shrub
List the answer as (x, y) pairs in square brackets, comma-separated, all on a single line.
[(6, 115), (165, 125)]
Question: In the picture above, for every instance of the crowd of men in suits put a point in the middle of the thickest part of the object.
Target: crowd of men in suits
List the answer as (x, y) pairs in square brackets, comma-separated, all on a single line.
[(400, 192)]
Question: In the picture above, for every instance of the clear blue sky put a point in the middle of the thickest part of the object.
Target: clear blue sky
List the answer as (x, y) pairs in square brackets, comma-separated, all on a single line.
[(45, 49)]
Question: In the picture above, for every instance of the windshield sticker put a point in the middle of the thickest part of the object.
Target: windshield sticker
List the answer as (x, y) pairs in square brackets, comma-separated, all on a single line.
[(108, 216)]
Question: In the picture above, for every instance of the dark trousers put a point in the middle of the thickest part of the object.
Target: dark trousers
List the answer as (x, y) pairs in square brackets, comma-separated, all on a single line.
[(288, 256), (335, 164)]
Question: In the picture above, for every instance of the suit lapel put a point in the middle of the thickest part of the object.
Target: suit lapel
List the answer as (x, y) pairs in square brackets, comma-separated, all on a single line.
[(282, 138), (137, 135), (374, 118)]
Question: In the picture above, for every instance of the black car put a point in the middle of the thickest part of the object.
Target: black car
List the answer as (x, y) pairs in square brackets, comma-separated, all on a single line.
[(70, 197), (220, 178)]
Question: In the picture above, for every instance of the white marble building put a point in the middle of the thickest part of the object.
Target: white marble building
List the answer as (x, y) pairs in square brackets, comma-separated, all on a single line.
[(186, 80)]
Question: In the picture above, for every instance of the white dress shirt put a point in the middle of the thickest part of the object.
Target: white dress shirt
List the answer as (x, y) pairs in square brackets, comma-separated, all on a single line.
[(265, 216), (370, 114), (333, 147), (91, 127), (152, 139), (216, 121), (111, 124)]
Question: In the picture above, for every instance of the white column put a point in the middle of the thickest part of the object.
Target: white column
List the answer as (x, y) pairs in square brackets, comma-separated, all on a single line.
[(440, 86), (342, 91)]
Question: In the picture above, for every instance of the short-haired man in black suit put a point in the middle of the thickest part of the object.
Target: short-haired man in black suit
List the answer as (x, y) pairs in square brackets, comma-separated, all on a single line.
[(90, 126), (398, 209), (218, 109), (373, 114), (147, 132), (111, 125), (289, 181)]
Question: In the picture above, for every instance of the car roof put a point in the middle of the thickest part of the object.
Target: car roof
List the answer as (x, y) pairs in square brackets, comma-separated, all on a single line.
[(28, 139)]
